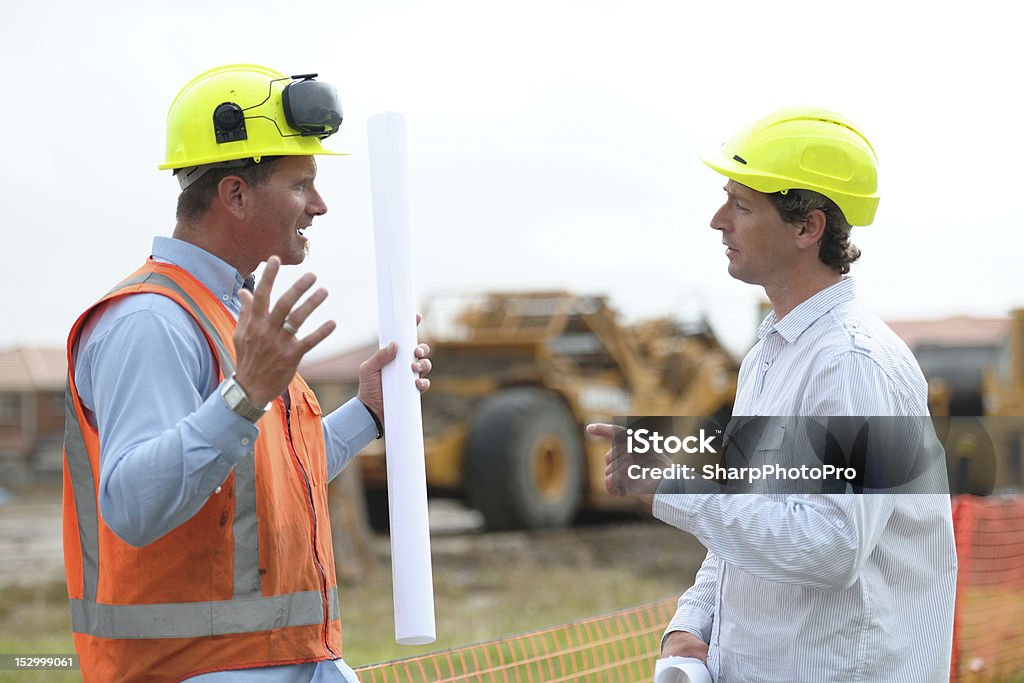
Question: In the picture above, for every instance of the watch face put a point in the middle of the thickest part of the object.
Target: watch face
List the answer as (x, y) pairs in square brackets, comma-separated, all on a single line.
[(234, 395), (238, 402)]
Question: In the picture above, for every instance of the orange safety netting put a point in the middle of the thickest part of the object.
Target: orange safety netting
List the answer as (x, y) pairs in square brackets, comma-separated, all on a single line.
[(615, 648), (988, 635), (620, 647)]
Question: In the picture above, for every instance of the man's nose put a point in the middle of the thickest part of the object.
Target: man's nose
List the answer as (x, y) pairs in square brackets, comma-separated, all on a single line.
[(316, 206), (718, 221)]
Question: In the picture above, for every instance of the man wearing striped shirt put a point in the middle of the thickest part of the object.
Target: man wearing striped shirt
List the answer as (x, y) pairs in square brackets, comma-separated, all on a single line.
[(818, 587)]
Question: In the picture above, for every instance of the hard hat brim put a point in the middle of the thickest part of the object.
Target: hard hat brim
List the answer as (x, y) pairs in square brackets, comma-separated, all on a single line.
[(231, 157), (743, 174)]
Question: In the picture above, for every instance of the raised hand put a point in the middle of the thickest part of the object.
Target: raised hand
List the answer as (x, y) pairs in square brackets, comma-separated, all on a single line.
[(267, 347)]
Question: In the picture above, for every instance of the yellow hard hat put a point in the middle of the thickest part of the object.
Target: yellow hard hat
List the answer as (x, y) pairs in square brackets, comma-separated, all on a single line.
[(244, 111), (805, 148)]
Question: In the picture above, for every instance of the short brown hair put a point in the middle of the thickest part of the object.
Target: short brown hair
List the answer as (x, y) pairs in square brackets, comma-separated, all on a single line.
[(834, 249), (195, 200)]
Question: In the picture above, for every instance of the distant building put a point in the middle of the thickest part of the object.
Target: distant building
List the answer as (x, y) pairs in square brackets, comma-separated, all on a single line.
[(32, 382), (956, 351)]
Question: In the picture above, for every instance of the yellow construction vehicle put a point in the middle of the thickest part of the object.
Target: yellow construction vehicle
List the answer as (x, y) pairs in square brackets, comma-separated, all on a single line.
[(520, 376), (1003, 384)]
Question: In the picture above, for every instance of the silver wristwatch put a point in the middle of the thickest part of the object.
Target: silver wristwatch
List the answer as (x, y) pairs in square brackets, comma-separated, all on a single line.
[(238, 401)]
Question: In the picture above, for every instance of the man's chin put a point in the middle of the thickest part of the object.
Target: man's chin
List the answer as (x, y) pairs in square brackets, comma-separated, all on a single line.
[(735, 272), (296, 256), (738, 273)]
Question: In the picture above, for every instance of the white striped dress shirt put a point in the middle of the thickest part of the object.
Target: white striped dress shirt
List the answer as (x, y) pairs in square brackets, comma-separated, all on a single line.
[(822, 588)]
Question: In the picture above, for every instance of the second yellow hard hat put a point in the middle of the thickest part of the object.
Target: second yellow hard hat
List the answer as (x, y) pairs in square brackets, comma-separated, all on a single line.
[(805, 148)]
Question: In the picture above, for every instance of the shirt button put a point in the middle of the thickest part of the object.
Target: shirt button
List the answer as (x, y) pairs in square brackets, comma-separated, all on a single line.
[(245, 441), (217, 490), (226, 297)]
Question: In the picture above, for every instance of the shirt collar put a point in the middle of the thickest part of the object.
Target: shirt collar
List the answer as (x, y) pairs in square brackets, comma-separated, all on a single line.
[(801, 317), (216, 275)]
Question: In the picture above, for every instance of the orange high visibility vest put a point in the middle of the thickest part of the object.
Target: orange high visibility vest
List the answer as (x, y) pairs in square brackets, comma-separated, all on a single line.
[(248, 581)]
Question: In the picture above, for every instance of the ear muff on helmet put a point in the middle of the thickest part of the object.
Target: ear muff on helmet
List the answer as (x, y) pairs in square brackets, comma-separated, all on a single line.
[(312, 107), (229, 122)]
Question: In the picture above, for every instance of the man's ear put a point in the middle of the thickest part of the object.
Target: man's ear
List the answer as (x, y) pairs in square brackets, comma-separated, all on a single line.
[(811, 230), (233, 196)]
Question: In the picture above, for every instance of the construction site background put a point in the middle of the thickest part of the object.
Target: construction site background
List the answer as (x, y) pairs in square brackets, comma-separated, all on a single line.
[(975, 368)]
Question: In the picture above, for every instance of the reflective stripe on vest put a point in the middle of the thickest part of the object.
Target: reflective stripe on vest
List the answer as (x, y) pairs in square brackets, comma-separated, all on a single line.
[(201, 619), (84, 487), (248, 610)]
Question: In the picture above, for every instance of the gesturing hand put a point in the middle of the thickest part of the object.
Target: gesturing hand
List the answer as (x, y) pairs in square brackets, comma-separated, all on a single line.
[(267, 348), (622, 469)]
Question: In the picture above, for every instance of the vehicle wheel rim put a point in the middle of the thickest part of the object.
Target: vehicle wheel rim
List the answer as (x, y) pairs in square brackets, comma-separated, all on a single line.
[(549, 467)]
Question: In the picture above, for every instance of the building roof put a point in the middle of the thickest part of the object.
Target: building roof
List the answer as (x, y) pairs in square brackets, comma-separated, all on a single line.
[(958, 331), (341, 367), (33, 368)]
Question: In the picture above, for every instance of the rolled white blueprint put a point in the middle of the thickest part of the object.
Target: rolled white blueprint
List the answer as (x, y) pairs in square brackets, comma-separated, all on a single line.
[(681, 670), (407, 482)]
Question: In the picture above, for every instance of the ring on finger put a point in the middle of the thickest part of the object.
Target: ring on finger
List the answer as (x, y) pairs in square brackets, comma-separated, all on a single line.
[(289, 327)]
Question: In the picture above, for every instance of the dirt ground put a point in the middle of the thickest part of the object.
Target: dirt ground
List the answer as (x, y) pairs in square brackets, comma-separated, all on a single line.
[(31, 552), (30, 540)]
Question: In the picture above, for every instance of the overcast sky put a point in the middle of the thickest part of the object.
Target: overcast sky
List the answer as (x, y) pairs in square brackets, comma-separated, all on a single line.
[(552, 144)]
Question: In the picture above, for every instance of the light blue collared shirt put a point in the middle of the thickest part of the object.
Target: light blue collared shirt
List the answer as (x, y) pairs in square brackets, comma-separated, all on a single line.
[(148, 380)]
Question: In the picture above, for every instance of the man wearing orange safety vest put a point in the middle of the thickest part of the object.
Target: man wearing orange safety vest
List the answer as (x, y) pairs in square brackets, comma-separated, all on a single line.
[(197, 540)]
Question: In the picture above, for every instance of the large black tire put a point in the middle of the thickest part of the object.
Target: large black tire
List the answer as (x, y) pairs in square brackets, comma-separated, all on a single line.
[(523, 462)]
